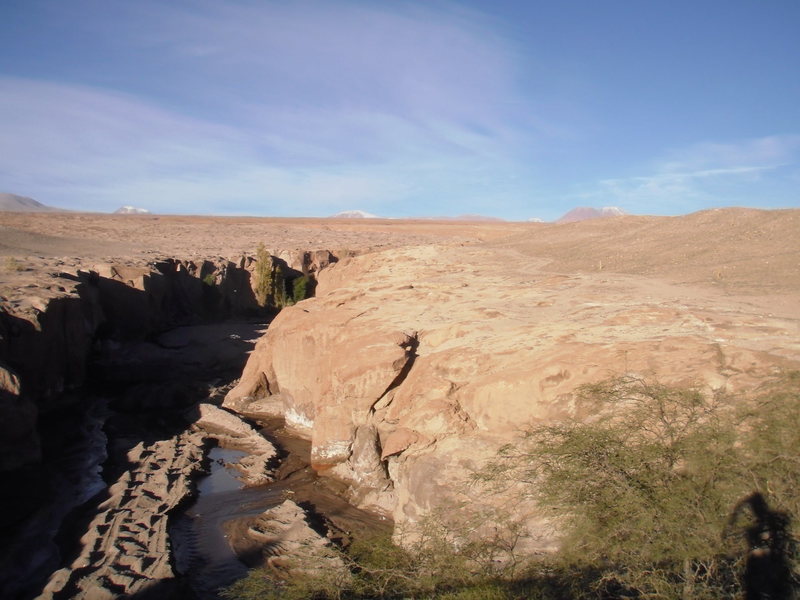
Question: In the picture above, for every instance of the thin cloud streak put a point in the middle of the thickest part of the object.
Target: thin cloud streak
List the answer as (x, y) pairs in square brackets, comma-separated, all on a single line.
[(708, 173), (111, 149), (400, 108)]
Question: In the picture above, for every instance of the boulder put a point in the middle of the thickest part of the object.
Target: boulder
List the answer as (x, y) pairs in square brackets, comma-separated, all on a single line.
[(291, 547)]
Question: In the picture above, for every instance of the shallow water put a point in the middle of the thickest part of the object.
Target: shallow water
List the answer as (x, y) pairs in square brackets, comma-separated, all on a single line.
[(203, 551), (222, 477)]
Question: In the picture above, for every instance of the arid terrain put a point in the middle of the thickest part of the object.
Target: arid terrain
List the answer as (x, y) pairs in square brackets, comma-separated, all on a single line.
[(427, 346)]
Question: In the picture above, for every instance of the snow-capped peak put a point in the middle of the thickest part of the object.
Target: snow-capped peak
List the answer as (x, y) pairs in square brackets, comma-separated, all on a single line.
[(354, 214), (131, 210)]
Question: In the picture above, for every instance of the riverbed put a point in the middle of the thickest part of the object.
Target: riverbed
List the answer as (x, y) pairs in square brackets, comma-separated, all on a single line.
[(210, 538), (139, 398)]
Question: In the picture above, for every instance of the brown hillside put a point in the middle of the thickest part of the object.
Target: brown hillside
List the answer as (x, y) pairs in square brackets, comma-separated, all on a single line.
[(740, 250)]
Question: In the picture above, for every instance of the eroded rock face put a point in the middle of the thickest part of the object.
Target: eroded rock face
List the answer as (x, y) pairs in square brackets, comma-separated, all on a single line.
[(307, 262), (49, 329), (17, 423), (412, 366), (326, 382)]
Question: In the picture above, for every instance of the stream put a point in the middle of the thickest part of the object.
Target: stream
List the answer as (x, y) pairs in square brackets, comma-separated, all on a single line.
[(210, 540), (202, 549)]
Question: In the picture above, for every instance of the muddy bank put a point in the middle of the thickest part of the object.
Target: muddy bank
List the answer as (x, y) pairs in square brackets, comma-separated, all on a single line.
[(214, 539)]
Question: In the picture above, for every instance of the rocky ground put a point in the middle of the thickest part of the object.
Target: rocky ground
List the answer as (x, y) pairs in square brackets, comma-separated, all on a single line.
[(412, 365), (430, 344)]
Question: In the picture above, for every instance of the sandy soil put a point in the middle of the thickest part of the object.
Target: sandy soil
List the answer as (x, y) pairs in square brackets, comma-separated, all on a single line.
[(740, 250), (36, 246), (735, 253), (97, 235)]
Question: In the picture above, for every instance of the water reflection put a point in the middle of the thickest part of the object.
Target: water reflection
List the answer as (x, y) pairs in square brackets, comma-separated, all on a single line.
[(222, 477)]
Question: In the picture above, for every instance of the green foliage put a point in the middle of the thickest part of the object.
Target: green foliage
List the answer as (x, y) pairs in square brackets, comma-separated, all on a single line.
[(279, 294), (263, 276), (648, 492), (301, 288), (263, 584), (271, 286), (429, 568), (646, 488), (771, 438)]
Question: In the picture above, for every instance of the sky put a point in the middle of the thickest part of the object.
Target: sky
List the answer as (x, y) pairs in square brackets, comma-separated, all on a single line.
[(513, 109)]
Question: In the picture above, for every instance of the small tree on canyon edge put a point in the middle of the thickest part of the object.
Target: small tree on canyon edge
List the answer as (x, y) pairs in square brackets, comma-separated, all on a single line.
[(263, 275)]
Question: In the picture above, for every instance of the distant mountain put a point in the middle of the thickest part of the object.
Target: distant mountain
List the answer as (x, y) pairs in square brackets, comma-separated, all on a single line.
[(14, 203), (584, 213), (131, 210), (354, 214)]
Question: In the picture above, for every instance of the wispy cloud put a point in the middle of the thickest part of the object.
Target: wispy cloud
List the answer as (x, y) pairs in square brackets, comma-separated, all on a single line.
[(710, 174), (324, 106), (756, 153), (109, 149), (398, 108)]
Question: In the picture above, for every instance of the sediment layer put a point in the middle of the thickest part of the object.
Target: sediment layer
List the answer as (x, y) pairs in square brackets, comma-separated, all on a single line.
[(126, 547)]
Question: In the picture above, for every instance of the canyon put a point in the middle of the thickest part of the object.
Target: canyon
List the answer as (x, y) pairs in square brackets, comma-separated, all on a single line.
[(427, 346)]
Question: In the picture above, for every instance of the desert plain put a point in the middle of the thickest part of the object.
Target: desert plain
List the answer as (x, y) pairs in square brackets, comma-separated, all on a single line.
[(426, 347)]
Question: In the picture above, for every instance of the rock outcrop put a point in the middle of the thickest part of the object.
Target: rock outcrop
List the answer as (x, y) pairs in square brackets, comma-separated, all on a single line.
[(49, 327), (291, 547), (411, 367), (232, 432)]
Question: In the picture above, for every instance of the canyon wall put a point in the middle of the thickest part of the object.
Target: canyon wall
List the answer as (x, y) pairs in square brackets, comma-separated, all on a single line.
[(412, 366), (51, 325)]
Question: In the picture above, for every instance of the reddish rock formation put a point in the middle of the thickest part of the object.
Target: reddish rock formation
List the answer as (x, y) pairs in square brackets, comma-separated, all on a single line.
[(412, 366)]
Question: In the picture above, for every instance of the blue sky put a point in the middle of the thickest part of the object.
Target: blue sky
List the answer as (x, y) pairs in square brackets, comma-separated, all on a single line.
[(512, 109)]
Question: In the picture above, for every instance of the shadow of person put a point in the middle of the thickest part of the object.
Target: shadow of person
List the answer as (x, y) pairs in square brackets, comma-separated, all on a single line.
[(770, 546)]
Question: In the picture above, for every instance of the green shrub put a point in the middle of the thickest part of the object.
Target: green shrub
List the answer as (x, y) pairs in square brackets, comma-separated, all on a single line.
[(654, 495), (431, 568), (646, 489), (263, 276), (301, 288), (281, 298)]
